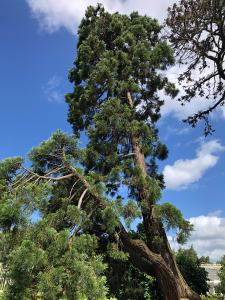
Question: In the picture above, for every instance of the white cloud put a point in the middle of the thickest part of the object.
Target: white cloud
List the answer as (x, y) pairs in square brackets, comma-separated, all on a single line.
[(53, 15), (188, 171), (208, 237), (51, 90), (174, 107)]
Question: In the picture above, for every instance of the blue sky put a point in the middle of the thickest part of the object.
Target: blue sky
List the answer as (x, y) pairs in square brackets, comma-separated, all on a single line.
[(38, 42)]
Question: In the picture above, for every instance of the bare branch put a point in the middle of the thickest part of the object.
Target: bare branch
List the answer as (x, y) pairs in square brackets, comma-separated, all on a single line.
[(73, 188), (81, 198), (47, 177)]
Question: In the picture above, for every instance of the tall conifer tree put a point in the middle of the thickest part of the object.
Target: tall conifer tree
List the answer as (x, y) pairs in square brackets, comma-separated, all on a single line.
[(117, 75)]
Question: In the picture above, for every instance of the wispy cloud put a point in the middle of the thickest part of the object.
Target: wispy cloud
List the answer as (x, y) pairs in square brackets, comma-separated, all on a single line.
[(52, 90), (208, 237), (185, 172)]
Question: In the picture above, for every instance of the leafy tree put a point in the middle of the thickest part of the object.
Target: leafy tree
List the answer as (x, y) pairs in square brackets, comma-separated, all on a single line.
[(127, 282), (47, 258), (117, 76), (190, 267), (204, 260), (221, 287), (197, 34)]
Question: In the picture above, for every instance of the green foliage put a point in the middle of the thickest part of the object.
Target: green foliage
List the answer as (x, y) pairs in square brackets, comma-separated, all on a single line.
[(190, 267), (9, 167), (110, 219), (130, 212), (48, 257), (127, 282), (115, 253), (42, 258), (118, 54), (204, 260), (49, 152), (212, 297), (172, 218), (221, 287), (49, 265)]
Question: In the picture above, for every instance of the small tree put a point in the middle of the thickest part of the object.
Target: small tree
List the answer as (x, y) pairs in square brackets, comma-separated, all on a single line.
[(127, 282), (204, 260), (197, 33), (221, 287), (190, 267)]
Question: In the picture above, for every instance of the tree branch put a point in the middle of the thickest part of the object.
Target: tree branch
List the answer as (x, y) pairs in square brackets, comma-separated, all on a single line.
[(47, 177), (81, 198)]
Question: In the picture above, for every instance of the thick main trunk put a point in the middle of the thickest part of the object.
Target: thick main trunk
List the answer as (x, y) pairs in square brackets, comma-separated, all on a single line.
[(171, 287), (162, 262)]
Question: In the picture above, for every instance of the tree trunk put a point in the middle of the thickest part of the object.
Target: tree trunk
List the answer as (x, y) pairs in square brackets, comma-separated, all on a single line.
[(171, 287), (159, 256)]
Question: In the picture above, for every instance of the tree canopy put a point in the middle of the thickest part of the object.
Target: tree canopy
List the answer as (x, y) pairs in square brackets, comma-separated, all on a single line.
[(190, 267), (197, 33)]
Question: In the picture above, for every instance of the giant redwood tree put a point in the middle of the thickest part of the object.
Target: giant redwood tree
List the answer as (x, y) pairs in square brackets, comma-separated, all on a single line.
[(117, 75)]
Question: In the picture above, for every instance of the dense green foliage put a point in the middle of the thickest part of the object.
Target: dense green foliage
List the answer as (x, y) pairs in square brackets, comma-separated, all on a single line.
[(117, 55), (126, 282), (190, 267), (41, 258)]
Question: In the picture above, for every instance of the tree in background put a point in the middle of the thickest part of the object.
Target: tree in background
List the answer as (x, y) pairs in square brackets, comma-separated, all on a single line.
[(190, 267), (221, 287), (117, 74), (197, 33), (204, 260)]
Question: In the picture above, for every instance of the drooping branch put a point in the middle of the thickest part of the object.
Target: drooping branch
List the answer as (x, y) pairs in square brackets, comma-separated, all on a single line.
[(48, 177), (203, 115)]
